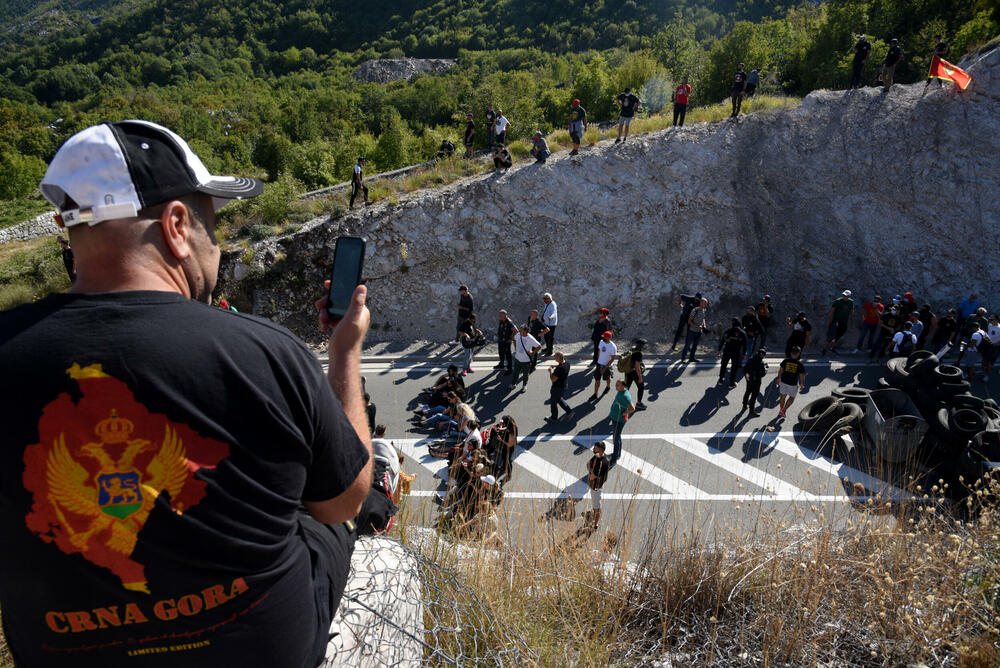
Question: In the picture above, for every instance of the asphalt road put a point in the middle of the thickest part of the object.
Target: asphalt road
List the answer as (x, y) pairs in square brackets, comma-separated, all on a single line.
[(692, 462)]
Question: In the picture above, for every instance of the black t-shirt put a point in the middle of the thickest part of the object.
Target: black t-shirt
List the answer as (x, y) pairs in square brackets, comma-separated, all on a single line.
[(636, 358), (755, 368), (765, 312), (470, 129), (628, 102), (465, 305), (941, 49), (740, 82), (467, 327), (799, 331), (751, 324), (733, 339), (946, 327), (862, 48), (688, 304), (505, 331), (600, 327), (535, 327), (891, 320), (893, 56), (790, 370), (561, 373), (599, 467), (155, 455)]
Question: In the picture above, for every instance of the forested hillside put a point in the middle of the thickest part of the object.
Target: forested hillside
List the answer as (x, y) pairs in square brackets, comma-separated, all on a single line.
[(265, 87)]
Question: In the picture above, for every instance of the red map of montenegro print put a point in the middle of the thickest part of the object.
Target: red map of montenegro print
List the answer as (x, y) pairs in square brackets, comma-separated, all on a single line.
[(99, 467)]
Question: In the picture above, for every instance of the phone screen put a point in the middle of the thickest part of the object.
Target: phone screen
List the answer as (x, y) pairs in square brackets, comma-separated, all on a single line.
[(348, 258)]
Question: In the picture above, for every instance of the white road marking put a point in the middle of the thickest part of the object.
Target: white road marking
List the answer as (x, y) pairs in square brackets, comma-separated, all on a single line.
[(439, 365), (736, 498), (674, 485)]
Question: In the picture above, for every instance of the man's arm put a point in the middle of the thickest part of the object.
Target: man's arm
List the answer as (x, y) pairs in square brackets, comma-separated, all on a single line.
[(829, 316), (344, 376)]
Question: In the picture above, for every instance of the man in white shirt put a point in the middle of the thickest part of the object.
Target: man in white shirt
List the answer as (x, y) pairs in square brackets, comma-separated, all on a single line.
[(524, 346), (500, 127), (607, 351), (903, 342), (357, 184), (550, 316)]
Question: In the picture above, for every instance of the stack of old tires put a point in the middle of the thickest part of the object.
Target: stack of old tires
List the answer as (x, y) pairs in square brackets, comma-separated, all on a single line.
[(964, 430), (835, 415)]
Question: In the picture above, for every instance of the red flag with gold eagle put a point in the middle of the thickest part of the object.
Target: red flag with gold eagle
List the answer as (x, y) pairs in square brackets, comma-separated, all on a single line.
[(942, 69)]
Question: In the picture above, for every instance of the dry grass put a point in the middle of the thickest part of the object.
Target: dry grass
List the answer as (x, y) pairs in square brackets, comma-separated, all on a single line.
[(30, 270)]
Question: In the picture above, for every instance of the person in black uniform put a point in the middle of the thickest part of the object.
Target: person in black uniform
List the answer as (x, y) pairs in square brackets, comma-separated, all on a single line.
[(754, 372), (470, 132), (635, 373), (505, 336), (754, 330), (862, 49), (739, 88), (732, 348)]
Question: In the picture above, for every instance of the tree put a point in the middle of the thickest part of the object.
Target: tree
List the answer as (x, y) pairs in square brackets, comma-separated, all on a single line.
[(19, 174)]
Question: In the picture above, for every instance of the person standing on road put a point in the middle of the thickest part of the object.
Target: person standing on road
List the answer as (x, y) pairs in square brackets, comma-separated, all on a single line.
[(525, 346), (635, 373), (754, 330), (973, 351), (697, 325), (903, 342), (602, 325), (597, 475), (732, 349), (357, 182), (687, 304), (538, 330), (470, 133), (754, 372), (791, 379), (559, 375), (801, 333), (871, 315), (629, 104), (505, 338), (892, 59), (990, 355), (929, 323), (681, 97), (550, 318), (944, 334), (739, 89), (838, 319), (977, 319), (500, 126), (607, 352), (491, 118), (577, 125), (467, 334), (621, 410), (862, 49), (466, 306), (765, 313)]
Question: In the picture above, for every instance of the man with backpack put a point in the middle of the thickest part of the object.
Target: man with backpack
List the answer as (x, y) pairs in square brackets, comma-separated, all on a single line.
[(976, 350), (732, 348), (903, 342), (862, 49), (631, 365), (892, 58)]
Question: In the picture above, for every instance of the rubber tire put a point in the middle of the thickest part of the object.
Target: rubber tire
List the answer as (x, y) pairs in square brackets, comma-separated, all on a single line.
[(951, 389), (895, 370), (992, 403), (947, 373), (814, 410), (992, 416), (938, 423), (967, 401), (884, 384), (966, 422), (987, 443), (923, 366), (853, 395), (916, 356)]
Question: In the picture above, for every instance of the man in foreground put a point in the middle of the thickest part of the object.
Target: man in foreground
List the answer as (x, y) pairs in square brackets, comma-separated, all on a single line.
[(173, 477)]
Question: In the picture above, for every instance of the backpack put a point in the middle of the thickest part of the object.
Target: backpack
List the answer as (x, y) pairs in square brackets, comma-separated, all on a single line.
[(378, 508), (625, 363), (906, 345)]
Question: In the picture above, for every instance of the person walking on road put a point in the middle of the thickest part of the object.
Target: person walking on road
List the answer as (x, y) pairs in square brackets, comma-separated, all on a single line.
[(629, 104), (801, 333), (635, 373), (871, 315), (621, 410), (597, 475), (550, 318), (470, 133), (892, 59), (559, 375), (607, 352), (577, 125), (754, 372), (697, 325), (525, 346), (903, 342), (838, 319), (681, 97), (862, 49), (791, 379), (538, 330), (739, 89), (467, 334), (765, 313), (357, 183), (505, 338), (888, 326), (602, 325), (944, 334), (754, 330), (732, 349), (687, 304)]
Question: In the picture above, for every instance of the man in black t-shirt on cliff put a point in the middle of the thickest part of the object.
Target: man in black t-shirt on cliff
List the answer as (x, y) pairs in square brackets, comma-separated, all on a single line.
[(176, 481), (629, 104), (739, 88), (862, 49)]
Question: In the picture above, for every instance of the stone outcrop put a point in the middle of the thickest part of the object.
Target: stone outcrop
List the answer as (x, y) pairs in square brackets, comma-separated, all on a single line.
[(384, 70), (36, 227), (858, 189)]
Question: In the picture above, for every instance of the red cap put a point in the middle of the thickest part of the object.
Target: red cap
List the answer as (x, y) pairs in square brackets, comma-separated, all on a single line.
[(604, 311), (606, 335), (576, 102)]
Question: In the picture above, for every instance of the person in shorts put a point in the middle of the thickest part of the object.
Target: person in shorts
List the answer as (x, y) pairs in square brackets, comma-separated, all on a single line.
[(597, 475), (607, 351), (839, 318), (791, 378), (629, 104), (577, 125)]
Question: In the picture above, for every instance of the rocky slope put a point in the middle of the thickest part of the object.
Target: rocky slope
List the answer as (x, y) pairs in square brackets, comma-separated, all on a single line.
[(385, 70), (855, 189)]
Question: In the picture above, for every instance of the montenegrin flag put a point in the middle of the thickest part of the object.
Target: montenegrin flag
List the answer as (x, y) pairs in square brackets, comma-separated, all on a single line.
[(942, 69)]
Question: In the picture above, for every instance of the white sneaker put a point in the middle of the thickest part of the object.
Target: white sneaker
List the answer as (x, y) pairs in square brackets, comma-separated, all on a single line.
[(452, 343), (856, 351)]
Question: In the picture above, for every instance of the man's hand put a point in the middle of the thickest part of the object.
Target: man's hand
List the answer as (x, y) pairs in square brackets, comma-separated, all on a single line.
[(349, 331)]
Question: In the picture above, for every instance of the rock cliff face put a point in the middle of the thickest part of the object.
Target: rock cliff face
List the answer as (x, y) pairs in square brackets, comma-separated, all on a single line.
[(385, 70), (859, 189)]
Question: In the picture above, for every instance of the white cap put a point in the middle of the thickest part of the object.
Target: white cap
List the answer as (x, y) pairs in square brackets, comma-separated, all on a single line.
[(847, 293), (489, 480)]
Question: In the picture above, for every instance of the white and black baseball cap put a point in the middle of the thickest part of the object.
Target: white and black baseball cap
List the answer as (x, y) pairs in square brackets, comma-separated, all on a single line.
[(115, 170)]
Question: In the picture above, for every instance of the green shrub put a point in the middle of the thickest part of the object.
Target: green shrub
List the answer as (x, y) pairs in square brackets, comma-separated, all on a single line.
[(19, 174)]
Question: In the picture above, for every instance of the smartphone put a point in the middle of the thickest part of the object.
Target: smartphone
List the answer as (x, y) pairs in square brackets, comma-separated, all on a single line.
[(348, 260)]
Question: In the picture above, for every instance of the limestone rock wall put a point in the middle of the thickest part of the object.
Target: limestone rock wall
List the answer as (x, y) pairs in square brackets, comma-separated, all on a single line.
[(38, 226), (854, 189)]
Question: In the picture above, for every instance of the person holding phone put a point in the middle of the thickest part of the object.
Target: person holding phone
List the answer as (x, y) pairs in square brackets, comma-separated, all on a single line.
[(161, 449)]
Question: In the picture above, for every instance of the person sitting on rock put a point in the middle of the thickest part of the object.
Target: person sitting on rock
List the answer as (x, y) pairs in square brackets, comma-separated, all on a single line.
[(446, 150), (501, 158), (540, 148)]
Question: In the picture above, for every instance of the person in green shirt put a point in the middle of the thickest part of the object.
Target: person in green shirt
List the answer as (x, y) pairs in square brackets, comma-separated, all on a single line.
[(838, 319), (577, 125), (621, 409)]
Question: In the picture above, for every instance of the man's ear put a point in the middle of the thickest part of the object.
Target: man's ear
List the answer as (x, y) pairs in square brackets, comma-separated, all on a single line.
[(175, 221)]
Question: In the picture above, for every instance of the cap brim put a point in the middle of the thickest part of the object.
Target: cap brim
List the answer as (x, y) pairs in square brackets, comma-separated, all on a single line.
[(232, 187)]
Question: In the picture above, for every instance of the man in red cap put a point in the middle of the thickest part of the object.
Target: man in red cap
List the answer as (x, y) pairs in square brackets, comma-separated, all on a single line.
[(602, 325), (577, 125), (607, 352)]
